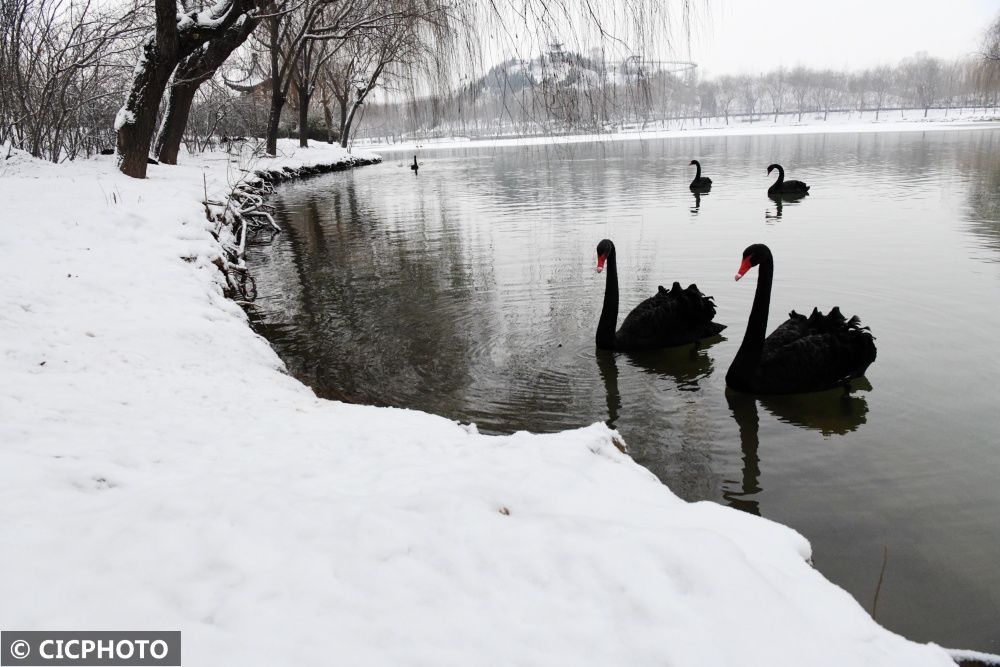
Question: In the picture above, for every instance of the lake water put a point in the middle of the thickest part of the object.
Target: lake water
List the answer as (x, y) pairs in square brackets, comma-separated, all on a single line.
[(470, 291)]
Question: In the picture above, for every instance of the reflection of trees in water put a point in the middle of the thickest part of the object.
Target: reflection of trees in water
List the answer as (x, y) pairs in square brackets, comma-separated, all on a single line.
[(831, 413), (362, 285), (982, 167)]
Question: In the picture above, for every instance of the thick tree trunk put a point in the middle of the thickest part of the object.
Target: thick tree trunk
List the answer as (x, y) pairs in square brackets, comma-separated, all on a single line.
[(346, 132), (277, 90), (343, 118), (193, 71), (168, 141), (163, 50), (303, 117), (136, 121), (273, 122), (328, 118)]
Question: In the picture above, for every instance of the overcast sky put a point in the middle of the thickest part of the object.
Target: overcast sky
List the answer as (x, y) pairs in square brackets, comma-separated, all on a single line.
[(734, 36)]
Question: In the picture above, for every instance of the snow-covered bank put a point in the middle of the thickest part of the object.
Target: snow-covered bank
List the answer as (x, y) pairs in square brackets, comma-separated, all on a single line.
[(836, 123), (159, 470)]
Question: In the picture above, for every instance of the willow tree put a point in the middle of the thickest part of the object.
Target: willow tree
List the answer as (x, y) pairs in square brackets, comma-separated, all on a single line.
[(379, 58)]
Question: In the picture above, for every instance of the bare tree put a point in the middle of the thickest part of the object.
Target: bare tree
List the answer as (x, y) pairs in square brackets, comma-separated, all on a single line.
[(991, 43), (880, 82), (728, 92), (191, 73), (859, 86), (826, 90), (923, 77), (292, 30), (800, 82), (60, 62), (750, 90), (776, 84), (179, 31)]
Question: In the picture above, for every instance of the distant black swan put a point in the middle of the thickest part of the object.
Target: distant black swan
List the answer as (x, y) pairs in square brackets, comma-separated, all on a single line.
[(783, 187), (700, 183), (415, 166), (674, 317), (805, 353)]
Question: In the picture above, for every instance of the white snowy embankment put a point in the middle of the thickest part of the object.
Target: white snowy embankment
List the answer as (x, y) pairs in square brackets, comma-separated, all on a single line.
[(836, 123), (158, 470)]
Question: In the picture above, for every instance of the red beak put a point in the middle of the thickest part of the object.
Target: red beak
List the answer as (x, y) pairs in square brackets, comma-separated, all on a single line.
[(600, 262), (744, 267)]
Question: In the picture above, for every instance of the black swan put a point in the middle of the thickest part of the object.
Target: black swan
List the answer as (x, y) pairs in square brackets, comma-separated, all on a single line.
[(671, 317), (700, 183), (783, 187), (804, 354), (415, 166)]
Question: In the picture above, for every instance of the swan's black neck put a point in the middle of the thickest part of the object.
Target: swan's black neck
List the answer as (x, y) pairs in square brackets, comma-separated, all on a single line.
[(781, 175), (697, 175), (609, 313), (748, 357)]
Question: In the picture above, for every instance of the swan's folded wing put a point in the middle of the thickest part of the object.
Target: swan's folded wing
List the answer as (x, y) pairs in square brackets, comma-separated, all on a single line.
[(821, 358), (669, 317)]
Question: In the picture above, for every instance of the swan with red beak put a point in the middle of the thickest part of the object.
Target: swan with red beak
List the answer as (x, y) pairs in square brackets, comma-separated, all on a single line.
[(667, 319), (804, 354)]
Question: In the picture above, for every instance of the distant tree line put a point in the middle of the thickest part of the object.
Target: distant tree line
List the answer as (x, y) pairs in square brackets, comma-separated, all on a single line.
[(565, 93)]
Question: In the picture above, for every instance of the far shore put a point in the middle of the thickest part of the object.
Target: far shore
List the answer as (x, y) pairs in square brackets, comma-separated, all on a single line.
[(837, 123)]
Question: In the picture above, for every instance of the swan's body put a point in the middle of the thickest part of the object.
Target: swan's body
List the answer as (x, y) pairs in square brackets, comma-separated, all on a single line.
[(415, 166), (669, 318), (787, 188), (804, 354), (700, 183)]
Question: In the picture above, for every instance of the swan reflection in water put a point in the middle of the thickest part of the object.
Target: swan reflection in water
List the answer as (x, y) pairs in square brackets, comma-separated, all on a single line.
[(686, 366), (831, 413), (779, 204), (697, 203)]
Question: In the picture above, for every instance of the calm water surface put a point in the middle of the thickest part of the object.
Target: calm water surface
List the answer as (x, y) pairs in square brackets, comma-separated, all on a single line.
[(469, 291)]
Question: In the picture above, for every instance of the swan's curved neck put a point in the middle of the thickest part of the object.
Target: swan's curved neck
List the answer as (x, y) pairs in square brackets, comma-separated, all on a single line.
[(781, 175), (609, 313), (697, 166), (749, 354)]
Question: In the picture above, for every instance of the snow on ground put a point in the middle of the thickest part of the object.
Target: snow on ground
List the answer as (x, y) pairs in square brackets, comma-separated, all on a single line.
[(159, 470), (837, 122)]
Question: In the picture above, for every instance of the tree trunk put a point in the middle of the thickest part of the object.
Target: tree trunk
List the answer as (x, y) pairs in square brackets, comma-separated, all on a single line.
[(303, 117), (343, 123), (328, 117), (324, 100), (136, 121), (168, 141), (273, 121), (193, 71), (277, 95), (346, 132)]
